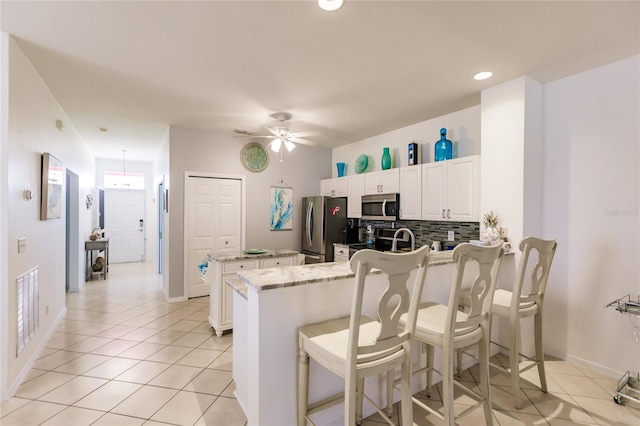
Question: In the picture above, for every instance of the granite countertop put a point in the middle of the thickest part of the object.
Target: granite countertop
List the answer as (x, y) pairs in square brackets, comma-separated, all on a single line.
[(237, 285), (226, 257), (289, 276)]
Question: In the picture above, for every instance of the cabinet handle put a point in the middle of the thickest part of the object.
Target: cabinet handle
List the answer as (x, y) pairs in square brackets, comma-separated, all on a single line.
[(448, 213), (443, 213), (241, 266)]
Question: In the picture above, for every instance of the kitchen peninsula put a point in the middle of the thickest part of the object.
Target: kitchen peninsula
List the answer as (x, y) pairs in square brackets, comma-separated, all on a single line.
[(269, 306), (224, 265)]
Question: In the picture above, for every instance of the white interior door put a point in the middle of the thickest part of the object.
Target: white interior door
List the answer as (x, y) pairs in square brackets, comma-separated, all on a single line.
[(213, 224), (124, 224)]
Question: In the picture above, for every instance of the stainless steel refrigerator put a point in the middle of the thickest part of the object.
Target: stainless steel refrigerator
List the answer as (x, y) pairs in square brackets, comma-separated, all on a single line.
[(324, 223)]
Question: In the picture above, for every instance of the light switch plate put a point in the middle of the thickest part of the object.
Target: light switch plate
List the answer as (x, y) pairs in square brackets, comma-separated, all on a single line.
[(451, 236), (22, 245)]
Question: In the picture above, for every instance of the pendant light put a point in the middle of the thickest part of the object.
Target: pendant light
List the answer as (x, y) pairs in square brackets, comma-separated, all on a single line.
[(124, 170)]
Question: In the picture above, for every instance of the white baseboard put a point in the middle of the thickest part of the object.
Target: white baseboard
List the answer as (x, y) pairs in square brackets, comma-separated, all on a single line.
[(581, 362), (175, 299)]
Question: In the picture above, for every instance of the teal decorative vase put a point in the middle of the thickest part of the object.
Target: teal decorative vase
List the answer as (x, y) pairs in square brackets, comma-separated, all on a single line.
[(386, 159), (443, 147)]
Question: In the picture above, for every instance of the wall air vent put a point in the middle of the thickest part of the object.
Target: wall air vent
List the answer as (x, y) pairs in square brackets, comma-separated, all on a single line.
[(243, 131)]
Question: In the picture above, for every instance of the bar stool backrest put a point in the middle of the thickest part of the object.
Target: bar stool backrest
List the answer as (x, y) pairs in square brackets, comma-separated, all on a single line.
[(534, 291)]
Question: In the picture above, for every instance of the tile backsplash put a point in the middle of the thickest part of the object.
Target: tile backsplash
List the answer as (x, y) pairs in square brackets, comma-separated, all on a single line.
[(427, 231)]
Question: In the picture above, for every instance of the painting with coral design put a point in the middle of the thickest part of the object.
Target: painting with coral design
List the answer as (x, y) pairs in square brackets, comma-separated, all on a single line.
[(281, 209)]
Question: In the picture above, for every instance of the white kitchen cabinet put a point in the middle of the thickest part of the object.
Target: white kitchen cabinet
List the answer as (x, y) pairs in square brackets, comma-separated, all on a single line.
[(336, 187), (340, 252), (383, 182), (411, 193), (450, 190), (354, 198), (221, 295)]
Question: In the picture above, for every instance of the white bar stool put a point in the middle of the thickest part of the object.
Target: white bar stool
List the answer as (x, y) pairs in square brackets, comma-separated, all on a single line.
[(450, 329), (357, 346), (523, 301)]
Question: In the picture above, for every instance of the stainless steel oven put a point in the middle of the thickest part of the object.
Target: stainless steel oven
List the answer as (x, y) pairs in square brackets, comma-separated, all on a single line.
[(381, 207)]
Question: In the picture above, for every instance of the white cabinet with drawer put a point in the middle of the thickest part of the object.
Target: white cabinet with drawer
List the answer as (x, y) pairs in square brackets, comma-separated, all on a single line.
[(340, 253), (276, 262), (221, 295)]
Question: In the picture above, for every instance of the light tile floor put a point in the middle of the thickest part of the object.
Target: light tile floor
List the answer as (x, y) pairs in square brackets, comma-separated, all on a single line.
[(124, 356)]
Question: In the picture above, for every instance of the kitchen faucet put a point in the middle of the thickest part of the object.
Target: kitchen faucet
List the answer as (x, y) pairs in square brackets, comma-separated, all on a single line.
[(394, 245)]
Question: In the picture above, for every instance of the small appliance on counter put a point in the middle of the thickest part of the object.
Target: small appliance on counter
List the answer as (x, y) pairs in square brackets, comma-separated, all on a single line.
[(449, 245)]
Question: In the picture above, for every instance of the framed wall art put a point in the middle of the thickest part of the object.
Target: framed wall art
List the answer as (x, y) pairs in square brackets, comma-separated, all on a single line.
[(51, 192), (281, 208)]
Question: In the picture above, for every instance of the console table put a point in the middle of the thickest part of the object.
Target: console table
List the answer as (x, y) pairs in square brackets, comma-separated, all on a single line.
[(99, 245)]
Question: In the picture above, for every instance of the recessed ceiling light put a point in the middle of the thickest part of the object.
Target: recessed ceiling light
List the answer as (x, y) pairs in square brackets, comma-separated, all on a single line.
[(330, 5), (103, 130), (482, 75)]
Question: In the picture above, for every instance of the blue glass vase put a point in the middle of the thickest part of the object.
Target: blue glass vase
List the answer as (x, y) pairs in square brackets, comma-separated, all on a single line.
[(443, 148), (386, 159)]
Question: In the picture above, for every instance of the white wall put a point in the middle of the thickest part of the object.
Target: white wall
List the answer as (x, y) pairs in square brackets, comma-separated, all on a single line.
[(463, 130), (511, 163), (32, 130), (150, 202), (591, 202), (4, 213), (204, 151)]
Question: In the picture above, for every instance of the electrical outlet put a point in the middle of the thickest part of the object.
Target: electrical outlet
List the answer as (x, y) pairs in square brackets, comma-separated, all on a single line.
[(451, 236)]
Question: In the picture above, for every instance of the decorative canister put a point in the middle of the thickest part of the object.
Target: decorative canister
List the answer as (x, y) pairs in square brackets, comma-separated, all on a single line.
[(413, 153), (386, 159)]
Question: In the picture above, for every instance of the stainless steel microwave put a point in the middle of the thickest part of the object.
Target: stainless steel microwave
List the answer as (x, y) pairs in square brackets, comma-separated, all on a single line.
[(381, 207)]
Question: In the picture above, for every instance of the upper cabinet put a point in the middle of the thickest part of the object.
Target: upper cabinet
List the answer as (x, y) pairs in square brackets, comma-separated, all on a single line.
[(410, 193), (383, 182), (354, 200), (450, 190), (337, 187)]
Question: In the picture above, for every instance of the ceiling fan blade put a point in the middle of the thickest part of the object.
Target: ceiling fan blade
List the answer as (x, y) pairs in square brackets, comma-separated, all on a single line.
[(272, 130), (253, 136), (301, 141), (305, 134)]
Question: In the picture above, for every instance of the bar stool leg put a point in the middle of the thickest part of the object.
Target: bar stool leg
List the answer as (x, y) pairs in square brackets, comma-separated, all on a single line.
[(540, 351), (303, 386), (514, 360)]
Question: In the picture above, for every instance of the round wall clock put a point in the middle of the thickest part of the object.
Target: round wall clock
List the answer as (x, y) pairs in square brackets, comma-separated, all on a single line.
[(254, 157)]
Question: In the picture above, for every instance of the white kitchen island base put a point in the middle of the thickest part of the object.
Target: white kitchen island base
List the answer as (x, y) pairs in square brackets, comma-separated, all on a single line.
[(276, 303), (226, 265)]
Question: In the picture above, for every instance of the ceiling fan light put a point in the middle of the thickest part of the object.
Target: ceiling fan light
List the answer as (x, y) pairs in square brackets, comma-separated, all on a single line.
[(330, 5), (275, 145), (289, 145)]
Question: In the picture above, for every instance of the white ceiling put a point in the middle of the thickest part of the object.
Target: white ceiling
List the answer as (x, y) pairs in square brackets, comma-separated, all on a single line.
[(372, 66)]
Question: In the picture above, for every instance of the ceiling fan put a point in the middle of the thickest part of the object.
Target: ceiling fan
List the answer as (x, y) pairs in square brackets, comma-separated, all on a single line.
[(281, 134)]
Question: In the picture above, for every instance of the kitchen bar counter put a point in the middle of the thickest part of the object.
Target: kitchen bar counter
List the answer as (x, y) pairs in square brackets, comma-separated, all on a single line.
[(273, 278), (280, 300), (226, 257)]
